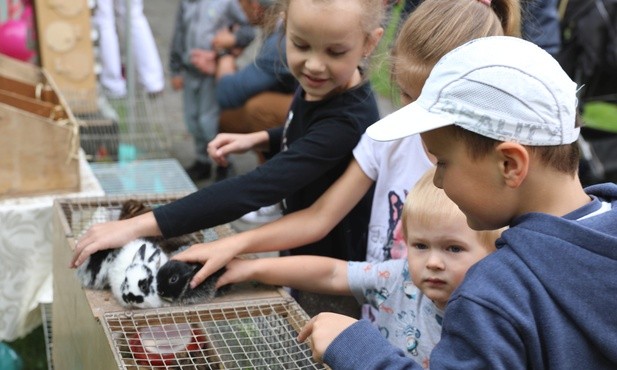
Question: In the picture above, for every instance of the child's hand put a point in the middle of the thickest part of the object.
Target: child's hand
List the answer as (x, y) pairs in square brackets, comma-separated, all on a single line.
[(204, 60), (322, 329), (107, 235), (212, 255), (224, 144), (177, 82), (223, 40), (238, 270)]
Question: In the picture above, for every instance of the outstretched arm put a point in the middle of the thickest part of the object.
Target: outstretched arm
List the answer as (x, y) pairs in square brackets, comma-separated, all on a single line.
[(224, 144), (308, 273), (113, 234), (345, 343), (292, 231)]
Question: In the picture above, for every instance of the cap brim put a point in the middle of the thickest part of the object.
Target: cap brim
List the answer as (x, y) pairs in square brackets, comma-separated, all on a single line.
[(409, 120)]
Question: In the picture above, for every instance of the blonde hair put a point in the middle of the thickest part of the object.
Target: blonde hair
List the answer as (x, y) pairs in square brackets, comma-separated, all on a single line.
[(373, 13), (427, 204), (439, 26)]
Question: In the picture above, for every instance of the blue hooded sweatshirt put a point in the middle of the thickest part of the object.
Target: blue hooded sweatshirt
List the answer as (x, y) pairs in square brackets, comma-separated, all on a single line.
[(546, 299)]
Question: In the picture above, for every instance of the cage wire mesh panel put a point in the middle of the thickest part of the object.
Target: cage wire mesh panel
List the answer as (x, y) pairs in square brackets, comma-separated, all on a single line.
[(236, 335), (251, 326), (81, 214), (46, 316), (154, 176), (122, 129)]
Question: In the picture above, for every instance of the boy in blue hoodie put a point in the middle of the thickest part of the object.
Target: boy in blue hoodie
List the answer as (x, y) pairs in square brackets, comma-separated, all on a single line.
[(499, 114)]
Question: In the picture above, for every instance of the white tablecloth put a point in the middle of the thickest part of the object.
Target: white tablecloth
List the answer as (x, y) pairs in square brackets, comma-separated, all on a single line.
[(26, 256)]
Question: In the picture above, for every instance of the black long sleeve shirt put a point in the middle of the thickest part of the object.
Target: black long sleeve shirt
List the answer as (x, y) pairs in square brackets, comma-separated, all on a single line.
[(318, 138)]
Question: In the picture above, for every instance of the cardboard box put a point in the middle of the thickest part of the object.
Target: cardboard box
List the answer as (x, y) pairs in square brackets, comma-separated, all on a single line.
[(39, 135)]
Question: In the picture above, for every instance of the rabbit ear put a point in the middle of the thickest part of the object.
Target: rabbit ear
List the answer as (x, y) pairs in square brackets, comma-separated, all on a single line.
[(156, 255), (141, 254)]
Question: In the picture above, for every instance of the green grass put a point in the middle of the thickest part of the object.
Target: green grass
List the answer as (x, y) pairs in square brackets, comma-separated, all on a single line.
[(380, 68), (601, 116)]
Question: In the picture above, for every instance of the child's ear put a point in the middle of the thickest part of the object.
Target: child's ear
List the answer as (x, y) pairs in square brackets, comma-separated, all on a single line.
[(513, 163), (372, 40)]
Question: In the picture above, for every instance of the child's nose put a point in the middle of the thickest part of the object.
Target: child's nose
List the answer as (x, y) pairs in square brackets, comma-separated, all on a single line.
[(314, 64), (434, 261)]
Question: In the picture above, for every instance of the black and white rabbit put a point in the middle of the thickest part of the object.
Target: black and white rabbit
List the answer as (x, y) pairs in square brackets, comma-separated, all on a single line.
[(132, 275), (174, 279), (94, 272)]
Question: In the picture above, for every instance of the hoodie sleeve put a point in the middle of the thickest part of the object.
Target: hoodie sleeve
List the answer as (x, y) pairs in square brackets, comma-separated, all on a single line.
[(485, 339), (361, 346)]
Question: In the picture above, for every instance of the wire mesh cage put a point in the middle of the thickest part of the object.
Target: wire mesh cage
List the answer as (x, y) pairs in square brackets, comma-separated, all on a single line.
[(143, 177), (46, 318), (251, 326), (240, 335), (122, 129)]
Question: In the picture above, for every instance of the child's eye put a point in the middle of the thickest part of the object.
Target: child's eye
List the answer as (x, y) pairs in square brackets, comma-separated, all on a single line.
[(300, 46), (336, 53), (420, 246), (455, 249)]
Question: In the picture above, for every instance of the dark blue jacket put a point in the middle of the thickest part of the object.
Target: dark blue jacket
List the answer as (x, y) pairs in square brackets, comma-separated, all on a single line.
[(267, 73), (540, 24), (546, 299)]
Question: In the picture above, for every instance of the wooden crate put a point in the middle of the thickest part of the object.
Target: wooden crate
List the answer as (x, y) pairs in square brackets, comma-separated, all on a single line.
[(66, 50), (39, 135), (91, 331)]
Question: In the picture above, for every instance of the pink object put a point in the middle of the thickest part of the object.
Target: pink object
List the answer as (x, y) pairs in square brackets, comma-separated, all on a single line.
[(15, 37)]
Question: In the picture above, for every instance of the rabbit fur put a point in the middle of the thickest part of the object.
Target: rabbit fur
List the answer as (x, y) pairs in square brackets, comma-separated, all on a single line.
[(173, 283), (94, 272), (132, 275)]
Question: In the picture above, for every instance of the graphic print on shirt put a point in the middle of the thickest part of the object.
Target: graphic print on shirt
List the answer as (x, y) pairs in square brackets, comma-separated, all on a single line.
[(284, 146), (407, 318), (395, 243), (376, 297), (407, 330)]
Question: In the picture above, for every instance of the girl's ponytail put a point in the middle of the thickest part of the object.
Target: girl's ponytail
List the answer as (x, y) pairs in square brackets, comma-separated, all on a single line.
[(509, 14)]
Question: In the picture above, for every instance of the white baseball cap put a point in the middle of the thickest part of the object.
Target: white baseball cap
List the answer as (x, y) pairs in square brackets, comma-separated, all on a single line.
[(501, 87)]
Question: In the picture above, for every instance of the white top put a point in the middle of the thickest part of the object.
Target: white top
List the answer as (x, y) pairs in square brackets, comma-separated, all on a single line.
[(395, 166)]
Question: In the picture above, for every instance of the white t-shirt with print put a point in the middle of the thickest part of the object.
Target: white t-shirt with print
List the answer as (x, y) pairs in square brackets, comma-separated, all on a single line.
[(395, 166)]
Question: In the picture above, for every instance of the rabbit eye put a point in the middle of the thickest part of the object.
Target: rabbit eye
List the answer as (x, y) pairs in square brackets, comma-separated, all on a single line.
[(144, 285), (173, 279)]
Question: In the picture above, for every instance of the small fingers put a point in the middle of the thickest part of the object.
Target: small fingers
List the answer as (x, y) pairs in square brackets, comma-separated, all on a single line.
[(307, 330), (78, 253), (200, 276), (306, 334)]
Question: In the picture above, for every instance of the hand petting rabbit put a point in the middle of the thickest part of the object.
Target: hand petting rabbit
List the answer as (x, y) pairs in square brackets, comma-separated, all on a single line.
[(135, 271), (173, 282)]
